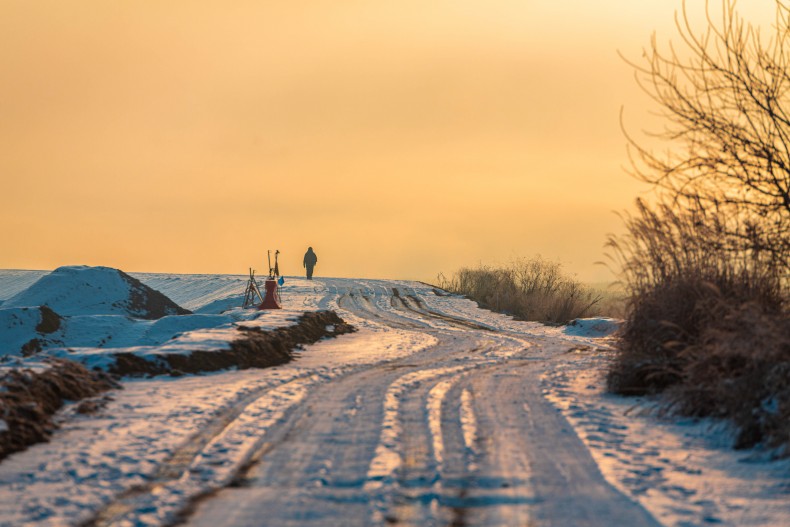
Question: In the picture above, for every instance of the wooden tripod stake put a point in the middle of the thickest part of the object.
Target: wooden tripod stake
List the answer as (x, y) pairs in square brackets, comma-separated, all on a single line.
[(252, 295)]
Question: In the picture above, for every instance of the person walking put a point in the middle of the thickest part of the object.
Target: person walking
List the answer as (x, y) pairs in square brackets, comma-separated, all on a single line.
[(310, 259)]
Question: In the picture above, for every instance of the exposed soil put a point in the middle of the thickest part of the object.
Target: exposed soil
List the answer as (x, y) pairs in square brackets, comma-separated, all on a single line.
[(29, 399), (93, 405), (50, 321), (254, 348), (31, 347), (148, 303)]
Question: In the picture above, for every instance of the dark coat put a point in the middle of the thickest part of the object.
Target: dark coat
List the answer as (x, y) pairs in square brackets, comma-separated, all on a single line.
[(310, 259)]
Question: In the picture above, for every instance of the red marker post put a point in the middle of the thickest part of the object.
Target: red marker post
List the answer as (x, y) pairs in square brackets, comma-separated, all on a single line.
[(271, 299)]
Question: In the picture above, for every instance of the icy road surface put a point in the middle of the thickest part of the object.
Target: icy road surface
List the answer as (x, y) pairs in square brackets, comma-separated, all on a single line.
[(434, 413)]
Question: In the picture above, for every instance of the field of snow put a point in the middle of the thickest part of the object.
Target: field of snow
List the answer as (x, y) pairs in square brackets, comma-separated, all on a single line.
[(434, 413), (99, 310)]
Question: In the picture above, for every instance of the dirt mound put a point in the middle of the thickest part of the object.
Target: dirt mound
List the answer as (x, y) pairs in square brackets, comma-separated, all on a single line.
[(29, 399), (83, 290), (148, 303), (254, 348)]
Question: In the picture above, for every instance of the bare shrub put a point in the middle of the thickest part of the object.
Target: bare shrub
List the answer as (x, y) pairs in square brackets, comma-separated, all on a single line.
[(706, 269), (528, 289), (723, 95), (614, 300), (680, 278), (696, 308), (740, 369)]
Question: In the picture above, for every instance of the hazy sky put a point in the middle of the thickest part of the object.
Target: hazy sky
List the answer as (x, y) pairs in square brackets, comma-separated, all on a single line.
[(399, 139)]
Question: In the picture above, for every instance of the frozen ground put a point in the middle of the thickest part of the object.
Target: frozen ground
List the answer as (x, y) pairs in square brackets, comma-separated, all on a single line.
[(682, 470), (434, 413), (97, 310)]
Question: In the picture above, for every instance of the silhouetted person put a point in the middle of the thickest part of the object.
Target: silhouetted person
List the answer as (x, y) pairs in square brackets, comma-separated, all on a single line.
[(310, 259)]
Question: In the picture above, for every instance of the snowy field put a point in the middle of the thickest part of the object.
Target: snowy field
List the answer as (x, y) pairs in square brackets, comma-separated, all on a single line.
[(434, 412)]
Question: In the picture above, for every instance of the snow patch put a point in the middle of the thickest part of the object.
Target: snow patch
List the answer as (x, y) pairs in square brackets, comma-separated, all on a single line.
[(592, 327), (435, 400), (468, 420), (18, 333), (387, 458), (83, 290), (683, 471)]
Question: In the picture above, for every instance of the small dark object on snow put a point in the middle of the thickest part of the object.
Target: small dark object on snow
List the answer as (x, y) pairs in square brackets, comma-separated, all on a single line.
[(310, 259)]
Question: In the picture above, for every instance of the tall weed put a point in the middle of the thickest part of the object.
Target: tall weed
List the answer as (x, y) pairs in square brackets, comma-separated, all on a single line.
[(529, 289), (707, 322)]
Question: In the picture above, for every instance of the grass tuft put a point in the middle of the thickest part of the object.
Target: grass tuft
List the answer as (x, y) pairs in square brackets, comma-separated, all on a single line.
[(528, 289), (707, 325)]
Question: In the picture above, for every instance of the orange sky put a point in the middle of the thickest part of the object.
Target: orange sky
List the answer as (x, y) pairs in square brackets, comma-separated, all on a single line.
[(399, 139)]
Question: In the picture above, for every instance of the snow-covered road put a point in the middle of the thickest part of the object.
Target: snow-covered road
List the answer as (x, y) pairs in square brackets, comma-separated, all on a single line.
[(457, 434), (435, 412)]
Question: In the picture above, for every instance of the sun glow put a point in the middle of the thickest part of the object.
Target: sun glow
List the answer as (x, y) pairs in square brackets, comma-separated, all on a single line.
[(398, 139)]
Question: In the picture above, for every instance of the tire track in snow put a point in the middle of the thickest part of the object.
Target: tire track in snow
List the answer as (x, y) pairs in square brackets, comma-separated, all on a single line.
[(409, 442), (325, 452), (530, 450), (193, 468), (416, 483), (468, 420), (421, 308), (434, 404), (458, 475), (442, 488), (425, 498), (360, 305), (389, 456)]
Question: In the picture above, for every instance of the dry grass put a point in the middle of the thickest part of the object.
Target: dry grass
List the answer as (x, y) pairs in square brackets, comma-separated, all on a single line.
[(707, 324), (528, 289), (740, 369)]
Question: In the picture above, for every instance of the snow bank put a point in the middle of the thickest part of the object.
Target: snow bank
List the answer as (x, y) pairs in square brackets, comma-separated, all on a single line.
[(205, 350), (31, 391), (92, 307), (199, 293), (12, 281), (682, 470), (592, 327), (26, 330), (83, 290)]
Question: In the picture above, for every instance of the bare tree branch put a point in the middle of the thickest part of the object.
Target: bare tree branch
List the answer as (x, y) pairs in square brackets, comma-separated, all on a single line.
[(725, 97)]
